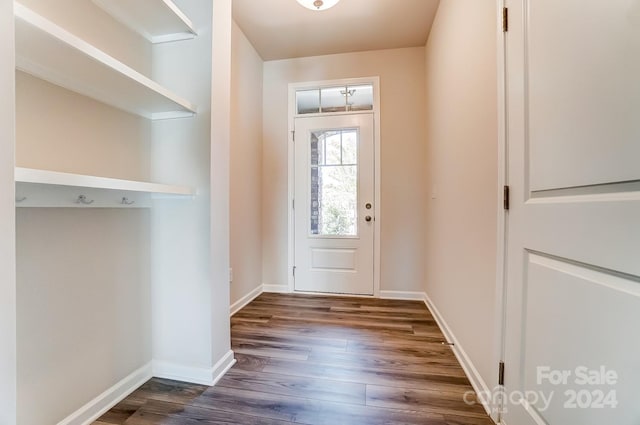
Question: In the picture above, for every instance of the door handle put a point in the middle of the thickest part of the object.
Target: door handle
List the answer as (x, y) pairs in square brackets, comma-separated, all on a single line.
[(367, 218)]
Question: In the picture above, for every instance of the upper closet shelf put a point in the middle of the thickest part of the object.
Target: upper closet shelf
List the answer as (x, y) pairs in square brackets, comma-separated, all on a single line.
[(32, 175), (49, 52), (158, 21)]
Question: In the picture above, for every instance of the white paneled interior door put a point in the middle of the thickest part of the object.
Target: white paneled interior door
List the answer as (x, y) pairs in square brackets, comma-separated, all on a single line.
[(334, 204), (573, 245)]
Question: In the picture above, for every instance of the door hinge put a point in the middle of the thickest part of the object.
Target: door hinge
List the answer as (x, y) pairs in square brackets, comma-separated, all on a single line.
[(505, 198), (505, 19), (293, 204), (293, 135), (294, 271), (501, 373)]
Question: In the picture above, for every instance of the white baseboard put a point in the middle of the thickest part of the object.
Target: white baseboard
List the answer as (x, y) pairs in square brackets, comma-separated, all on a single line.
[(402, 295), (222, 366), (478, 384), (105, 401), (196, 375), (280, 289), (237, 306), (91, 411)]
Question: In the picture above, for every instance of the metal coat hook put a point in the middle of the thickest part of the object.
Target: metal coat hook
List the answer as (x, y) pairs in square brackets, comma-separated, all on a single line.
[(24, 198), (126, 201), (83, 200)]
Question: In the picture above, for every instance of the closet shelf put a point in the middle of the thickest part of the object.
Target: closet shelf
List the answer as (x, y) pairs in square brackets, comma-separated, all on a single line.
[(54, 178), (47, 51), (158, 21)]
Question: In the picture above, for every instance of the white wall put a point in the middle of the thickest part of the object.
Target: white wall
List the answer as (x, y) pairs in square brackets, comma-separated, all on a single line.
[(245, 166), (403, 197), (82, 275), (189, 259), (462, 166), (7, 219), (62, 131), (220, 158), (83, 306), (180, 240)]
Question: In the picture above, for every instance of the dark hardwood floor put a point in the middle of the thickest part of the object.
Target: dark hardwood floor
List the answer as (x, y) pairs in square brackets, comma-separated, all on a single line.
[(320, 360)]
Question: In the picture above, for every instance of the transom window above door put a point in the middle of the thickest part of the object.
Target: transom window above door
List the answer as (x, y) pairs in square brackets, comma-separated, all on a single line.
[(335, 99)]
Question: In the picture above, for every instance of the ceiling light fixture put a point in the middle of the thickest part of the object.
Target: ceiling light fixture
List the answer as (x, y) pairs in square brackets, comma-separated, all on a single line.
[(318, 4)]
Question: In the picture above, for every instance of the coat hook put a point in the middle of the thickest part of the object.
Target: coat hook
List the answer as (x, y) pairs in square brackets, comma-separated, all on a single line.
[(24, 198), (83, 200), (126, 201)]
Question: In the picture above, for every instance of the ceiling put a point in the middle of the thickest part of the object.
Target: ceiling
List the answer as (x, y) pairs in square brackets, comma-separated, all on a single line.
[(281, 29)]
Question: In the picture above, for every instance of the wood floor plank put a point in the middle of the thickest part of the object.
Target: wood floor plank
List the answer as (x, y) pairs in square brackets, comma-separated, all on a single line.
[(314, 330), (340, 313), (168, 390), (270, 349), (349, 322), (252, 403), (250, 362), (121, 411), (241, 319), (320, 360), (288, 385), (164, 413), (293, 340), (310, 411), (402, 379), (427, 330), (393, 310), (401, 348), (442, 402), (463, 420), (434, 364)]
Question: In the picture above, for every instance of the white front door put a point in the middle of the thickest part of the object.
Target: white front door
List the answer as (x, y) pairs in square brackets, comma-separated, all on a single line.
[(334, 204), (573, 270)]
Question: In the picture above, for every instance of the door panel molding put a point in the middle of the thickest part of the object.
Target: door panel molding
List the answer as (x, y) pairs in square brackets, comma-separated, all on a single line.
[(573, 235)]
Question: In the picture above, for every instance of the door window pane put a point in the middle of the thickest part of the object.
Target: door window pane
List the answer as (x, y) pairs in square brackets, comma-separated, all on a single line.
[(331, 148), (334, 183), (349, 147)]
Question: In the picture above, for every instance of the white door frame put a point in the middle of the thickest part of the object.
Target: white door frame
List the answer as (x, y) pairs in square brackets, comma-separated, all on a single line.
[(502, 228), (293, 87)]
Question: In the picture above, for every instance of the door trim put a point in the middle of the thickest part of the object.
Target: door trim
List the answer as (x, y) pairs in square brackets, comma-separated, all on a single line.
[(502, 218), (291, 171)]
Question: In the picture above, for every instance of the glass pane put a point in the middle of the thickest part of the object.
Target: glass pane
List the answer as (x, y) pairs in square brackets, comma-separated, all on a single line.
[(333, 99), (349, 147), (334, 187), (332, 149), (360, 97), (308, 101)]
